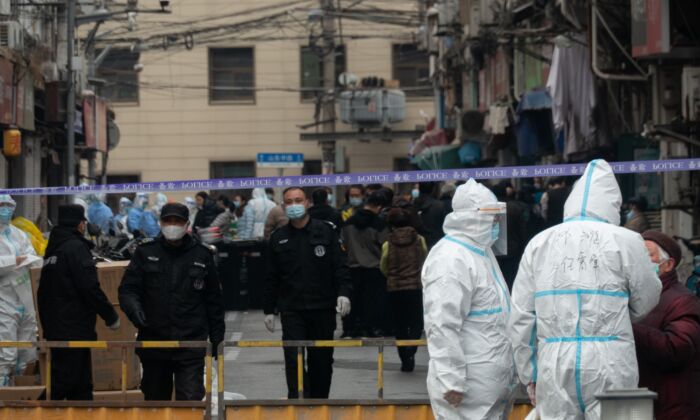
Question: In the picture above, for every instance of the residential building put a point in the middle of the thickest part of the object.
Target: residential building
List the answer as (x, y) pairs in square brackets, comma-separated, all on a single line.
[(206, 103)]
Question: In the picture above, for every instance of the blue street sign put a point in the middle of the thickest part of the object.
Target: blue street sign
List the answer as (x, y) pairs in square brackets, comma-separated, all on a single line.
[(280, 160)]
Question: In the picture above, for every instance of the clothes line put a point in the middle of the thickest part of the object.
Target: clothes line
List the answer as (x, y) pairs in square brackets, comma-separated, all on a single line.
[(500, 172)]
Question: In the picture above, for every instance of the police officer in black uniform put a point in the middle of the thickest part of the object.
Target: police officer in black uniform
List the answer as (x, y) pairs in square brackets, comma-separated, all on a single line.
[(69, 299), (171, 292), (308, 282)]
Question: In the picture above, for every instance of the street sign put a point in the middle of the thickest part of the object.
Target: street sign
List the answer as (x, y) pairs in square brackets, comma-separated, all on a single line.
[(280, 160)]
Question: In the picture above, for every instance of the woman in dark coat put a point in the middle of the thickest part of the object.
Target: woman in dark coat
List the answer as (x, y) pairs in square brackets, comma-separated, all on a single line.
[(668, 339)]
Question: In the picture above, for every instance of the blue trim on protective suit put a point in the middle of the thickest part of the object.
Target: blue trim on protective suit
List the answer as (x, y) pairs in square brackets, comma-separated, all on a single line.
[(533, 349), (485, 312), (578, 338), (599, 339), (610, 293), (586, 190), (482, 253), (470, 247), (584, 219)]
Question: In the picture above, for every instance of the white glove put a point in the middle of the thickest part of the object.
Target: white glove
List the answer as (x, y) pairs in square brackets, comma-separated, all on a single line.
[(115, 326), (270, 322), (343, 307), (531, 392)]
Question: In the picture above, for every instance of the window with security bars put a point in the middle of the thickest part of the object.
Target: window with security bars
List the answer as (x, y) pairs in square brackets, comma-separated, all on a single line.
[(231, 75), (411, 67), (312, 70), (121, 81)]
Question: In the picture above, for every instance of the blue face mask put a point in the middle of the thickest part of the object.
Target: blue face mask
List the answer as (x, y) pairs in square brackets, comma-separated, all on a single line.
[(295, 211), (415, 193), (356, 201), (330, 198), (237, 204), (495, 232), (6, 215)]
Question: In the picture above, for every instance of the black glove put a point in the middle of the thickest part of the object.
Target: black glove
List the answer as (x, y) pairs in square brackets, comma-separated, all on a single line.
[(139, 319)]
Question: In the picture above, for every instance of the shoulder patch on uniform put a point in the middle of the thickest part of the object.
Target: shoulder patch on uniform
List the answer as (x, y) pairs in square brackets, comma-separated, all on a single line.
[(211, 248), (329, 223), (152, 258), (283, 241)]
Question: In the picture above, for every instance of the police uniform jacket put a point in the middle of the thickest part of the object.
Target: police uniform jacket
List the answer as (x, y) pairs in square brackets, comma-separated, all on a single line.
[(307, 269), (178, 290), (69, 295)]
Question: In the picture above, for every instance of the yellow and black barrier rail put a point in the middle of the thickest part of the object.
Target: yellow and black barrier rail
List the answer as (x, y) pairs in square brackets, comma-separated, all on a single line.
[(124, 346), (380, 344)]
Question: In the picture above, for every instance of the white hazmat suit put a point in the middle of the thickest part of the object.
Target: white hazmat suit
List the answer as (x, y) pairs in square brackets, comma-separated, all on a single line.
[(466, 307), (252, 224), (579, 287), (17, 314)]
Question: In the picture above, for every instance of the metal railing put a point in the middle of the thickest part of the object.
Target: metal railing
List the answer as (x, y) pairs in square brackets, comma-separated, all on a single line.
[(301, 346), (124, 346)]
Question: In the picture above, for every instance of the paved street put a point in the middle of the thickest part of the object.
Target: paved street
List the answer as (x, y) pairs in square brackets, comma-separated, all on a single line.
[(259, 373)]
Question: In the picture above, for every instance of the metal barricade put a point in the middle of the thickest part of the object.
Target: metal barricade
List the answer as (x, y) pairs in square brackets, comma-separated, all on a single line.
[(123, 345), (300, 346)]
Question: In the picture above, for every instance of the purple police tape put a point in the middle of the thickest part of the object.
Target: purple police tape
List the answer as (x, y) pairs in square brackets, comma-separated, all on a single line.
[(505, 172)]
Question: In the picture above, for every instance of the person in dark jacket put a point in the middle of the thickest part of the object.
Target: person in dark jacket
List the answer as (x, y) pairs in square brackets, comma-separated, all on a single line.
[(432, 213), (307, 283), (403, 255), (364, 234), (208, 210), (553, 200), (668, 338), (516, 228), (171, 292), (69, 299), (321, 210)]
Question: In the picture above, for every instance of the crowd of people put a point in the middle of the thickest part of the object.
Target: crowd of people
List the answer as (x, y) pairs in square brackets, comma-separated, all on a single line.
[(549, 284)]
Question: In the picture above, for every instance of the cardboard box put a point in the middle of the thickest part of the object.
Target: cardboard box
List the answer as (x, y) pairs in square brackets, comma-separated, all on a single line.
[(133, 395), (17, 393), (27, 380), (106, 364)]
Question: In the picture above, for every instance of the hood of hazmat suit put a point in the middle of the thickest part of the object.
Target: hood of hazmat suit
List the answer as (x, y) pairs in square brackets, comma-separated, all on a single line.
[(252, 223), (136, 213), (124, 206), (161, 200), (192, 206), (466, 308), (100, 215), (17, 314), (580, 286)]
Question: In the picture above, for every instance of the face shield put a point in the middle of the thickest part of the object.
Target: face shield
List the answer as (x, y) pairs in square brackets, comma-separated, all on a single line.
[(499, 231)]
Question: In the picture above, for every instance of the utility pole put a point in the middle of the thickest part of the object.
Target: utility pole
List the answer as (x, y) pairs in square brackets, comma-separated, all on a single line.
[(328, 114), (70, 99)]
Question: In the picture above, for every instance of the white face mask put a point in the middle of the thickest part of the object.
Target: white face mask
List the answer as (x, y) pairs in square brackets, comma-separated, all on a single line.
[(174, 232)]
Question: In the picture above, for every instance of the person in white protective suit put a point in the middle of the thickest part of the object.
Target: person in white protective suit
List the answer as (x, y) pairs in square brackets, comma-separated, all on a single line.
[(119, 222), (579, 287), (17, 313), (466, 307), (191, 204), (252, 223)]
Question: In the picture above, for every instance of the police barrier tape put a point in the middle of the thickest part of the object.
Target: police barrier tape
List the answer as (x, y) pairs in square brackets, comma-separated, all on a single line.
[(504, 172)]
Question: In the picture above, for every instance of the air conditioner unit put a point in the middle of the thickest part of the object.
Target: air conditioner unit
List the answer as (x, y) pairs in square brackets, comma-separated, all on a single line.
[(5, 7), (367, 108), (11, 35)]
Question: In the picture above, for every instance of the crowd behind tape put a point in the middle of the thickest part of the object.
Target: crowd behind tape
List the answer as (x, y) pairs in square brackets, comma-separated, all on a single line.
[(501, 172)]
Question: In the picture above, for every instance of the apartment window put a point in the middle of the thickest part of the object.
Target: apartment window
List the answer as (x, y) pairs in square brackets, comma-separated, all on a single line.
[(231, 73), (312, 167), (312, 69), (411, 67), (113, 199), (218, 170), (122, 82)]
